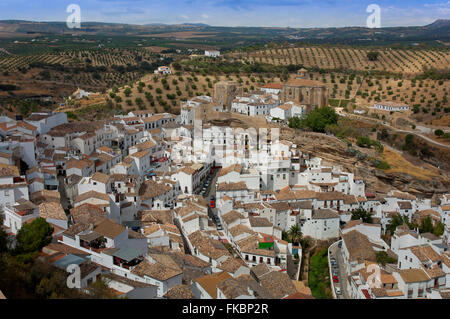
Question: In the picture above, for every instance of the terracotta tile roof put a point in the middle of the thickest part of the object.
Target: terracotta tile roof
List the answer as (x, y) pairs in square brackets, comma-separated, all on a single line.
[(54, 248), (239, 230), (8, 170), (413, 275), (359, 247), (260, 222), (179, 292), (260, 269), (250, 245), (188, 261), (210, 282), (277, 86), (101, 178), (233, 168), (88, 214), (232, 216), (305, 82), (425, 253), (80, 164), (207, 246), (278, 284), (330, 196), (92, 194), (156, 216), (162, 269), (140, 154), (151, 189), (52, 210), (109, 228), (233, 288), (324, 214), (232, 186), (434, 272), (280, 206), (231, 265)]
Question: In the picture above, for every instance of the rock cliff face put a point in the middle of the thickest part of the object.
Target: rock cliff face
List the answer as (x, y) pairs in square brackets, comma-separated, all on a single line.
[(334, 151)]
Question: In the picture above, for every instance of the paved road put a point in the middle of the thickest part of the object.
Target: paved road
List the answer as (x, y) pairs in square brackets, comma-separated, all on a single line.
[(343, 282), (430, 140), (211, 191)]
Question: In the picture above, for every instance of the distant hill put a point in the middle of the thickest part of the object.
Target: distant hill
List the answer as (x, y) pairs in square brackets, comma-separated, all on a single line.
[(441, 23), (436, 31)]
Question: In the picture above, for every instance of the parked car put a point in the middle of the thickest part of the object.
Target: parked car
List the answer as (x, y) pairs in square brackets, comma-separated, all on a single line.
[(219, 226), (338, 291), (340, 244), (212, 198), (335, 279)]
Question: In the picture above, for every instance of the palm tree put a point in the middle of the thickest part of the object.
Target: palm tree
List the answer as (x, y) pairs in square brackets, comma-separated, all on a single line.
[(294, 234)]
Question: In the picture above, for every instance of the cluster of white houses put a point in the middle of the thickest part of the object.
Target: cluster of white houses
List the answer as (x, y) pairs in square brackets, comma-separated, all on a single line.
[(124, 209)]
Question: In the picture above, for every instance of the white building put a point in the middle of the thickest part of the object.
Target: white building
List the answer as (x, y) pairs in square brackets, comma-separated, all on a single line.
[(164, 70), (212, 53), (391, 106)]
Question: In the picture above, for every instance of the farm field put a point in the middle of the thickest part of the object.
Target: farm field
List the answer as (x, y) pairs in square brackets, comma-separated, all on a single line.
[(165, 93), (324, 57), (428, 98)]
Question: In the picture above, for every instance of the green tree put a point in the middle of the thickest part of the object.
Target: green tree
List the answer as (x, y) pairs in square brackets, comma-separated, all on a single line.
[(4, 241), (317, 120), (426, 225), (127, 92), (362, 214), (383, 258), (373, 55), (32, 237), (439, 229), (294, 234), (439, 132)]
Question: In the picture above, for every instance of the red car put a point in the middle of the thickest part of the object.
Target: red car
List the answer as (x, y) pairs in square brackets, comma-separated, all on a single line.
[(213, 204), (335, 279)]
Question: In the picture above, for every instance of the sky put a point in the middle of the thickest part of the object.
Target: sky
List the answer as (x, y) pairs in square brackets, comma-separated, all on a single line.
[(263, 13)]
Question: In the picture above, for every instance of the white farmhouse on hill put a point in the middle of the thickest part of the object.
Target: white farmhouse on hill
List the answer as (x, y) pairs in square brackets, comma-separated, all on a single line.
[(163, 70), (212, 54), (79, 94), (391, 106)]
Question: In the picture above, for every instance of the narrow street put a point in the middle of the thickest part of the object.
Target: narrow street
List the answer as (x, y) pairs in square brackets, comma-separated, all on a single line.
[(62, 193), (343, 283)]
